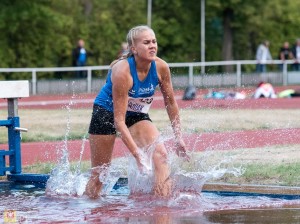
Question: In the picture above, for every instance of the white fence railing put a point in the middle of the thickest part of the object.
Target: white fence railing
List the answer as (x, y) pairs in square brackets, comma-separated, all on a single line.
[(283, 77)]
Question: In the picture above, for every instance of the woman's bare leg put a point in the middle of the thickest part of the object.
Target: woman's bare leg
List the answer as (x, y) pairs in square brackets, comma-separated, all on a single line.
[(101, 152), (163, 183), (144, 134)]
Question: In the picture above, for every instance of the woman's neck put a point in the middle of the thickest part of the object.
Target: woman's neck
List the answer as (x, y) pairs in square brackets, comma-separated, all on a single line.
[(142, 66)]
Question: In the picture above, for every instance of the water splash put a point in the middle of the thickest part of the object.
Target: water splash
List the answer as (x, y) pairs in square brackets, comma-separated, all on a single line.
[(64, 181), (187, 177), (141, 181), (109, 175)]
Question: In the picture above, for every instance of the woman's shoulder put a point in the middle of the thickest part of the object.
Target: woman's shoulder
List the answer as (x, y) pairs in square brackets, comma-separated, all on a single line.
[(161, 64), (120, 65), (119, 62), (120, 69), (120, 73), (162, 68)]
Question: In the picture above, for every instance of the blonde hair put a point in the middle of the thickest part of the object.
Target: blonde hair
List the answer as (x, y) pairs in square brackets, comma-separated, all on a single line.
[(131, 37)]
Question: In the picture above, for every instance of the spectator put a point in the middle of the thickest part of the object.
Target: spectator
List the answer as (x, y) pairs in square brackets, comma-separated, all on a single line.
[(264, 90), (285, 53), (296, 55), (79, 58), (262, 55)]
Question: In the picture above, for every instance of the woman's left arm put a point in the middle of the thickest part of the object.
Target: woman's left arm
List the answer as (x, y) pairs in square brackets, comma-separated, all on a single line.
[(166, 87)]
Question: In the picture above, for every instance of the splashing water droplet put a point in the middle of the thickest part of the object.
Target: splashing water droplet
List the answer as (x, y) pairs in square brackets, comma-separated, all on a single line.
[(63, 181)]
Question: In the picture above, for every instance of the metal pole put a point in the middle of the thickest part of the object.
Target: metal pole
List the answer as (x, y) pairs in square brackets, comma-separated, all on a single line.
[(14, 137), (191, 75), (12, 107), (238, 75), (285, 74), (149, 12), (202, 34), (34, 82), (89, 80)]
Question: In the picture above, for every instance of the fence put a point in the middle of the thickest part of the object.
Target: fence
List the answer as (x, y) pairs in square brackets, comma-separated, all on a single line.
[(237, 78)]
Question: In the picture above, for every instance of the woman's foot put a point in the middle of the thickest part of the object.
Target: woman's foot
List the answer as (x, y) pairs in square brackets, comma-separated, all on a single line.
[(163, 188)]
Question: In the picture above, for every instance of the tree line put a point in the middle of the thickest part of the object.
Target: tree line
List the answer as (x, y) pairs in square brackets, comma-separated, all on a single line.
[(42, 33)]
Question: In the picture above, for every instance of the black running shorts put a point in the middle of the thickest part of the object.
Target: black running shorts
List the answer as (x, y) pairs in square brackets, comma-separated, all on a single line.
[(102, 121)]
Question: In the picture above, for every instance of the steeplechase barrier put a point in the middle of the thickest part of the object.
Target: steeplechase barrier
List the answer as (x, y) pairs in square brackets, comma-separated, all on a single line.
[(10, 158)]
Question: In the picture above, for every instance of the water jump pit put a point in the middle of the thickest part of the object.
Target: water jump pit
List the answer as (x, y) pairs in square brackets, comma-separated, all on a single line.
[(217, 203), (58, 198)]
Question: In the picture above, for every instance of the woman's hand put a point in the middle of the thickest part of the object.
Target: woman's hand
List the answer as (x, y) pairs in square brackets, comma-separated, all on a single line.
[(142, 163), (181, 149), (139, 163)]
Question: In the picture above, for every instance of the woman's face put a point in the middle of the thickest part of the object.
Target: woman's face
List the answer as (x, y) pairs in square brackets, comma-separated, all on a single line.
[(145, 45)]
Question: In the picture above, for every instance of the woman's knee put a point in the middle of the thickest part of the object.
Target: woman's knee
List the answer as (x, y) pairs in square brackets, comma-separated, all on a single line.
[(160, 154)]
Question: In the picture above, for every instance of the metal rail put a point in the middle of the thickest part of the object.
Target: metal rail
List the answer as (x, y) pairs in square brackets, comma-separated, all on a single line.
[(189, 65)]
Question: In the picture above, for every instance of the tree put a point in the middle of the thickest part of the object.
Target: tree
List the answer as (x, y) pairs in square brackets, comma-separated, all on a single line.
[(29, 30), (42, 33)]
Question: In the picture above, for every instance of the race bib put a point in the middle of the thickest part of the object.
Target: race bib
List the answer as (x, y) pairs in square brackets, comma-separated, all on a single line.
[(140, 105)]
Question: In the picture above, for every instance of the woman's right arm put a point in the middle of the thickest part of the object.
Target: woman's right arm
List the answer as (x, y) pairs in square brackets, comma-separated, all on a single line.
[(122, 82)]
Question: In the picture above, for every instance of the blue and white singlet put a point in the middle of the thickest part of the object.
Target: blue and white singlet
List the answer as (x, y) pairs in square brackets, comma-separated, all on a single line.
[(140, 95)]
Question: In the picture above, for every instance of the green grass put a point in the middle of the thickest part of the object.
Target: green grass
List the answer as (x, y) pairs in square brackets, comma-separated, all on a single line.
[(258, 173), (46, 168), (50, 125), (267, 174), (43, 137)]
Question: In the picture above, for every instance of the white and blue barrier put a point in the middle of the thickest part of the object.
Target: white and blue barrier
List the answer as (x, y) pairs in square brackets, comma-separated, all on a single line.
[(12, 91)]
